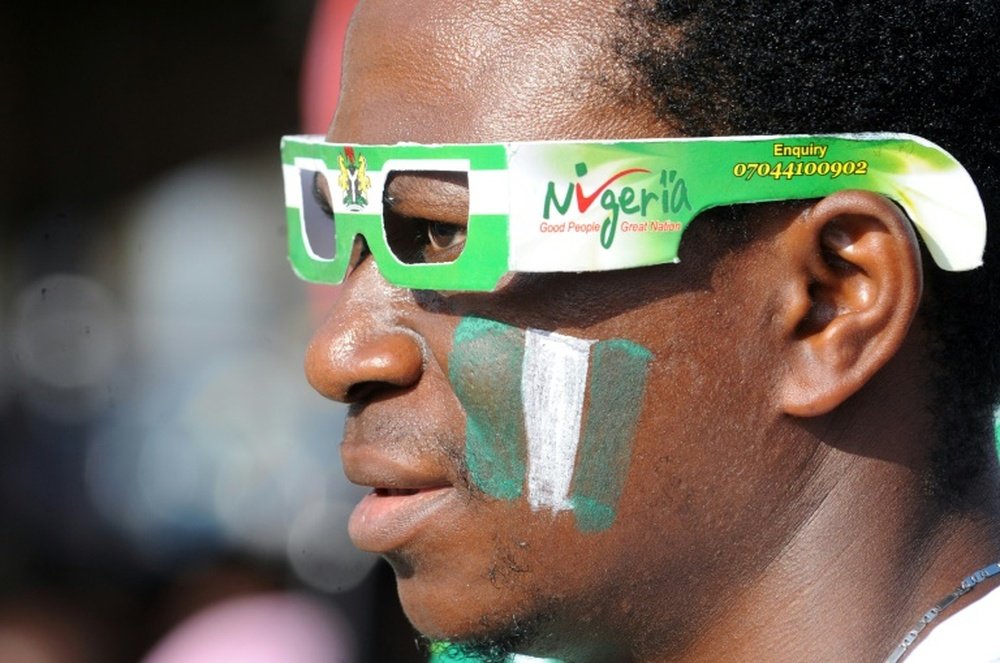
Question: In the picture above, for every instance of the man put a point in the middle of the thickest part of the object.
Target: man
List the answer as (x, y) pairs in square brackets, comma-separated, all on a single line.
[(807, 397)]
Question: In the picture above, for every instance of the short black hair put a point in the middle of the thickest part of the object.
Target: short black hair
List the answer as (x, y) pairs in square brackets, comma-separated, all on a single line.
[(926, 67)]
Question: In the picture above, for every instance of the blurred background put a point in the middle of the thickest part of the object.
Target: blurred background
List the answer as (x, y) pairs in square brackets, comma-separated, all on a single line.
[(170, 487)]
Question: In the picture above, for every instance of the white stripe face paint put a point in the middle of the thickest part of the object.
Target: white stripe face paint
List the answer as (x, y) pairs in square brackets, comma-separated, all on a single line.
[(553, 387)]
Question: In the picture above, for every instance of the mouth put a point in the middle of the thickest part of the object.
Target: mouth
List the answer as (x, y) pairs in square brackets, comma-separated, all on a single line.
[(388, 518), (407, 494), (398, 492)]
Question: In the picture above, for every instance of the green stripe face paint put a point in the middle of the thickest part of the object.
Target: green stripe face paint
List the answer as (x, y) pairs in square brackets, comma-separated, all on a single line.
[(549, 416), (617, 386), (484, 357)]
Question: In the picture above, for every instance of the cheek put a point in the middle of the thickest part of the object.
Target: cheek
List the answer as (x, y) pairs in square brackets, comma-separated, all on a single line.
[(550, 418)]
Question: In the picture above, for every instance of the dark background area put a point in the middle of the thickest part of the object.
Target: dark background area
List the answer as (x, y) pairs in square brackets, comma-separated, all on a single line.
[(98, 97)]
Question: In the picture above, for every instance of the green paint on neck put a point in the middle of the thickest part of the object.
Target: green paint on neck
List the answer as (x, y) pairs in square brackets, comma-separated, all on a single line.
[(485, 372), (998, 431)]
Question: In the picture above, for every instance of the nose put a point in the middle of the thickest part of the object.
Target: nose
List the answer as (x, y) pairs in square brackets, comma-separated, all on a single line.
[(363, 348)]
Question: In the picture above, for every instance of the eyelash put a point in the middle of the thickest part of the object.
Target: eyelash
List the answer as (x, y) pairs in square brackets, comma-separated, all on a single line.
[(320, 199)]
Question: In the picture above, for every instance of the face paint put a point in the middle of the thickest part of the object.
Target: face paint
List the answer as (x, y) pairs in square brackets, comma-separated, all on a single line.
[(553, 386), (615, 403), (524, 393), (485, 358)]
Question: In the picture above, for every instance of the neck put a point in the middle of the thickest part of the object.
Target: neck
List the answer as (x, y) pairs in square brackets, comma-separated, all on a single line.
[(874, 554)]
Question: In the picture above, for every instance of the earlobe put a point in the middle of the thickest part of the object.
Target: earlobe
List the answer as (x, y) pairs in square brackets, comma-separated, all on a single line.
[(854, 286)]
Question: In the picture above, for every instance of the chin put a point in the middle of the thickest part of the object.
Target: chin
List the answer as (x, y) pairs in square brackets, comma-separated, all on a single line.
[(473, 615)]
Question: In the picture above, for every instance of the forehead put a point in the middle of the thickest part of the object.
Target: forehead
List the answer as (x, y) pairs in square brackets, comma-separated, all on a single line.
[(482, 71)]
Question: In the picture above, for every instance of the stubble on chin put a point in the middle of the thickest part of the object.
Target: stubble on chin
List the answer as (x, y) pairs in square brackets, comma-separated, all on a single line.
[(498, 642)]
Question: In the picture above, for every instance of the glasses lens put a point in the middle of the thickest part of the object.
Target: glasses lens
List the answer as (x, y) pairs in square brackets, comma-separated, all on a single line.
[(318, 225), (426, 215)]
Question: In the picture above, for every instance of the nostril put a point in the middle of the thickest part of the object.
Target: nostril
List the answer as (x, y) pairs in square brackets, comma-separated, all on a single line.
[(362, 391)]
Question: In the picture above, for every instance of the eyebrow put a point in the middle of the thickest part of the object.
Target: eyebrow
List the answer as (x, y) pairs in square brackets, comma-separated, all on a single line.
[(436, 195)]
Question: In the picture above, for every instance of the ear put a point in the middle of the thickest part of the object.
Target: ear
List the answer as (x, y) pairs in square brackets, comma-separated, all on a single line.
[(853, 288)]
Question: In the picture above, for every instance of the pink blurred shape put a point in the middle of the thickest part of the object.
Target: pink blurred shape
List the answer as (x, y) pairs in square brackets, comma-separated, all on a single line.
[(271, 628), (321, 69)]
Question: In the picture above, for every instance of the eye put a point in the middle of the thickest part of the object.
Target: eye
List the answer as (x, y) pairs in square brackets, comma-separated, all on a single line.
[(414, 241), (443, 236), (425, 215)]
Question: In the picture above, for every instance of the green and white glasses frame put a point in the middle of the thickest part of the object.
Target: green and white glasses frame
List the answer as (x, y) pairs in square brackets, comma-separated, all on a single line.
[(584, 206)]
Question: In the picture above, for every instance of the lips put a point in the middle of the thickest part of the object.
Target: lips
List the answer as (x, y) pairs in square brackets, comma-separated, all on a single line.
[(386, 520), (406, 496)]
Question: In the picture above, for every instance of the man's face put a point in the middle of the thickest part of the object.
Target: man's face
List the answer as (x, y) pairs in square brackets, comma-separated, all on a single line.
[(485, 537)]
